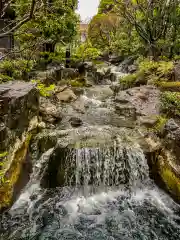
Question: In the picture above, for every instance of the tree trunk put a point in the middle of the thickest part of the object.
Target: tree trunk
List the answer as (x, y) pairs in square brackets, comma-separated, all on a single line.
[(49, 47), (153, 51)]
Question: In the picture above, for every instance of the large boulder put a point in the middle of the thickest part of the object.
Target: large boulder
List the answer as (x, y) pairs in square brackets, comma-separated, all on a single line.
[(49, 111), (18, 118), (171, 137), (145, 99), (67, 95)]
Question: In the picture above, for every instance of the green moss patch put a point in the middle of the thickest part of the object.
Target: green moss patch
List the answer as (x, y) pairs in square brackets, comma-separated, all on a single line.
[(169, 177), (6, 188)]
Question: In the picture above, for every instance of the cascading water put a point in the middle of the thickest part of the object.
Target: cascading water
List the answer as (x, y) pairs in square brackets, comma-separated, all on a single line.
[(104, 193), (123, 204)]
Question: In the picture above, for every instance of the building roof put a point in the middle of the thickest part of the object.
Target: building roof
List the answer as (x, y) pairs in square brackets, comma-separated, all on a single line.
[(83, 27)]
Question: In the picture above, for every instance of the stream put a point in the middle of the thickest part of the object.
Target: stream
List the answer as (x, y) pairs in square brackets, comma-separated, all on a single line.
[(106, 192)]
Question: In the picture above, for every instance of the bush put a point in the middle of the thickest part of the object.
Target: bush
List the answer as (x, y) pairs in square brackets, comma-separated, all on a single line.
[(148, 66), (165, 68), (156, 72), (86, 52), (17, 69), (43, 90), (171, 103), (5, 78)]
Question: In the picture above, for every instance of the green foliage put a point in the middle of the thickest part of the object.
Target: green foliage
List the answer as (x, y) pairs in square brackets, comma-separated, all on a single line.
[(2, 159), (43, 89), (15, 69), (4, 154), (148, 66), (105, 6), (86, 52), (5, 78), (77, 83), (171, 103), (150, 72), (165, 68), (156, 72), (161, 121), (53, 22)]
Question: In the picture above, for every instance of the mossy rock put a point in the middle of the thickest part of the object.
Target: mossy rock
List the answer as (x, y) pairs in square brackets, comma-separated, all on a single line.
[(169, 176), (169, 86), (12, 175), (133, 80)]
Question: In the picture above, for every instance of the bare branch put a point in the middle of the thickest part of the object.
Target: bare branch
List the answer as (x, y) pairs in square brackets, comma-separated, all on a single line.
[(2, 13), (23, 21)]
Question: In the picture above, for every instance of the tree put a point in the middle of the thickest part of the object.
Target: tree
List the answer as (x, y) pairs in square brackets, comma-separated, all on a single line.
[(102, 30), (153, 20), (41, 22), (106, 6), (5, 7)]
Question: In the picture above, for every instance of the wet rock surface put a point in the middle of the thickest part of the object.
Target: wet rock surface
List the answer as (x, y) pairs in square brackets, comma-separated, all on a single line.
[(18, 118), (19, 104), (50, 112), (145, 99), (90, 175)]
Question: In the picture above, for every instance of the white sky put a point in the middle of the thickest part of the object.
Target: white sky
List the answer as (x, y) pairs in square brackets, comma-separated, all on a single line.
[(87, 8)]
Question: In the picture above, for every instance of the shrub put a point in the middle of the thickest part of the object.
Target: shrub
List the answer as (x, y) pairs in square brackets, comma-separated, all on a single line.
[(171, 103), (165, 68), (43, 90), (5, 78), (147, 66), (17, 69), (7, 67), (87, 52)]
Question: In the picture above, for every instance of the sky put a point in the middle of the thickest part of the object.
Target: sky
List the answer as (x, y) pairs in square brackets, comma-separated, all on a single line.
[(87, 8)]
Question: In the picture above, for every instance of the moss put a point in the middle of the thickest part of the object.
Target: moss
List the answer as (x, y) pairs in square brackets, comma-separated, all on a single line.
[(77, 83), (169, 177), (161, 121), (6, 189), (97, 62), (170, 103), (169, 86), (133, 80), (43, 89)]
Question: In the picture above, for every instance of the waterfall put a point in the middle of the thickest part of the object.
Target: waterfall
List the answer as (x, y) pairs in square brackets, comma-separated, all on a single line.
[(110, 166)]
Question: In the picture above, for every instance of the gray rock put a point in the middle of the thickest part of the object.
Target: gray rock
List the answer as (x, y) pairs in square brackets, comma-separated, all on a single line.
[(171, 125), (148, 121), (132, 68), (115, 87), (75, 121), (126, 110), (19, 104), (66, 96), (50, 112)]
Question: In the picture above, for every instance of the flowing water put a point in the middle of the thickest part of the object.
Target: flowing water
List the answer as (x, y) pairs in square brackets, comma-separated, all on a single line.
[(106, 195)]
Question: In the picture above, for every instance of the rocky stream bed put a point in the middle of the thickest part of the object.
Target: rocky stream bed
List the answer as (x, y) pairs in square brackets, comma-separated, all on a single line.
[(83, 164)]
